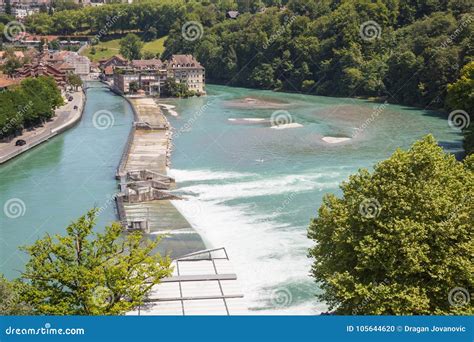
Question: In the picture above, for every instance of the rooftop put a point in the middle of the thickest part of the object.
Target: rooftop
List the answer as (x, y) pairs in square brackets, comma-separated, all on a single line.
[(6, 82), (184, 61), (147, 63)]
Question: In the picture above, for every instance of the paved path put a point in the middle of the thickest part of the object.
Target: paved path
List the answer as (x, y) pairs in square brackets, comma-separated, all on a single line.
[(65, 116), (150, 147)]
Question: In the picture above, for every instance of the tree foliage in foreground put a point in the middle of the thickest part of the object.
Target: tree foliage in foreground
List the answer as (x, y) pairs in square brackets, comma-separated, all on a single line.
[(89, 273), (461, 97), (10, 301), (400, 238)]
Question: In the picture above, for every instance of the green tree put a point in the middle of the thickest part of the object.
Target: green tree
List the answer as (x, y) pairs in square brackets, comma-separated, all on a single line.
[(8, 7), (10, 301), (401, 238), (131, 46), (43, 8), (11, 63), (461, 96), (461, 93), (74, 81), (89, 273), (148, 55), (133, 87), (176, 89), (263, 76)]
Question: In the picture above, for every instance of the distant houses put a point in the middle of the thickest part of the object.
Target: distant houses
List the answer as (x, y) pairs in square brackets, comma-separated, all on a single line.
[(59, 65), (150, 76)]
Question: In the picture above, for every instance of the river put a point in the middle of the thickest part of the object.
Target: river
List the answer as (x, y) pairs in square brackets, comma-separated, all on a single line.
[(251, 188), (58, 181)]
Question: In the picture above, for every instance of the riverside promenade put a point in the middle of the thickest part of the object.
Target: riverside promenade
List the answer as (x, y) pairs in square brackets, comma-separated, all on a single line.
[(65, 117), (145, 201)]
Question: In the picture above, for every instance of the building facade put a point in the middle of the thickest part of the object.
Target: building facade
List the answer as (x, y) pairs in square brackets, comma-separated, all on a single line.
[(186, 69), (150, 75)]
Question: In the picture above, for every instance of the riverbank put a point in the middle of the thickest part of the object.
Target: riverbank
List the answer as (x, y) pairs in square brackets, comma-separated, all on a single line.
[(144, 202), (65, 117)]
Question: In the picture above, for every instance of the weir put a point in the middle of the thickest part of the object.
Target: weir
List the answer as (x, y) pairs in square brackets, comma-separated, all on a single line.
[(144, 199)]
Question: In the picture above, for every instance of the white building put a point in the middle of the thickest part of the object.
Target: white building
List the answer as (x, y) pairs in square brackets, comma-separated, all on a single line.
[(82, 64), (22, 11), (186, 69)]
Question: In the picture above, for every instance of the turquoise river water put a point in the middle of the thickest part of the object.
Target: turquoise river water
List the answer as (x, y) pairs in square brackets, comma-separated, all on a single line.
[(251, 188)]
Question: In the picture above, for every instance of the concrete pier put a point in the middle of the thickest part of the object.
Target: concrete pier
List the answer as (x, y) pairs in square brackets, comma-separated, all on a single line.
[(144, 202)]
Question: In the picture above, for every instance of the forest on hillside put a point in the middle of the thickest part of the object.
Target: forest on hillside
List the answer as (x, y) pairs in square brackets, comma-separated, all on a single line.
[(408, 52), (412, 52)]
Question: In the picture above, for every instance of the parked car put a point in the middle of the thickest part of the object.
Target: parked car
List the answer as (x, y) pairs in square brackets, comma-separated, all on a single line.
[(20, 142)]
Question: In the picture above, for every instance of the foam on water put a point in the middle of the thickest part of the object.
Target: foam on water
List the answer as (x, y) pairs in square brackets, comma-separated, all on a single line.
[(269, 256), (260, 187), (204, 175), (263, 257)]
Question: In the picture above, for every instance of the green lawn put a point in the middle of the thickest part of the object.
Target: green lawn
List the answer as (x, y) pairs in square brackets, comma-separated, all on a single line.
[(111, 47), (155, 46)]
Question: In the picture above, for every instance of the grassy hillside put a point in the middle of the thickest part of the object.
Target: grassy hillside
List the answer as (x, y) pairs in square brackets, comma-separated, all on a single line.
[(111, 47)]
